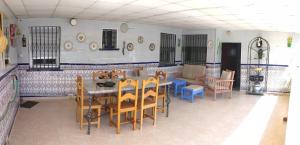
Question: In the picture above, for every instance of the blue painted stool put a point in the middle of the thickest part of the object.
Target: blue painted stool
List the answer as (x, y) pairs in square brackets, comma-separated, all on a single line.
[(191, 91), (178, 85)]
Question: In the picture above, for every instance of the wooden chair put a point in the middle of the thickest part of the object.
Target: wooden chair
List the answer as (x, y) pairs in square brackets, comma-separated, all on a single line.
[(108, 97), (126, 102), (100, 75), (83, 104), (221, 85), (115, 74), (148, 99), (162, 91), (136, 71)]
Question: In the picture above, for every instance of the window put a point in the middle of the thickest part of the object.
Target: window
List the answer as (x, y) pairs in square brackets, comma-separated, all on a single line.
[(109, 39), (167, 49), (194, 48), (44, 49)]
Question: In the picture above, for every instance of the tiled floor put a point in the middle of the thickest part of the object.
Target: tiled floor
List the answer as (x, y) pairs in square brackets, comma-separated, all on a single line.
[(204, 122)]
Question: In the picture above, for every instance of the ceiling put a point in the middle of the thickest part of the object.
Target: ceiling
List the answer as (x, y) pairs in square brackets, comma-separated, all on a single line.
[(265, 15)]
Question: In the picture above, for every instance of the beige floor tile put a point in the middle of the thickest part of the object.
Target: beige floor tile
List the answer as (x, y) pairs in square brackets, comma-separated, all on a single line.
[(204, 122)]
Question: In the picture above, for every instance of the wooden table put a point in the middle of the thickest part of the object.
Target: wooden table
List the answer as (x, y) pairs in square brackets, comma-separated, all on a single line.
[(93, 89)]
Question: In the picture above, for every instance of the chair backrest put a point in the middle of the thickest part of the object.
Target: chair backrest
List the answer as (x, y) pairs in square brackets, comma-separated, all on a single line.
[(118, 74), (100, 75), (192, 71), (80, 90), (228, 75), (150, 89), (162, 77), (127, 91), (136, 71)]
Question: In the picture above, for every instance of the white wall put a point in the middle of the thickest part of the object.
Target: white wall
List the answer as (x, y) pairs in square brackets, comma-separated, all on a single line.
[(93, 31), (279, 52)]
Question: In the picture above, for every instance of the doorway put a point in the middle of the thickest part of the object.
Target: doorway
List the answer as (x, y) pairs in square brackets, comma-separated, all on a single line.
[(231, 59)]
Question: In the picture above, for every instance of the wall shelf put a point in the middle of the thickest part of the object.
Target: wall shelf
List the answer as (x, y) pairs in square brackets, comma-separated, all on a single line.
[(108, 49)]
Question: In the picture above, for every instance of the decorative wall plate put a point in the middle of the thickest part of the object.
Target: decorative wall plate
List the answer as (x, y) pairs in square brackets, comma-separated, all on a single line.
[(93, 46), (124, 27), (73, 21), (152, 46), (130, 46), (81, 37), (68, 46), (141, 39)]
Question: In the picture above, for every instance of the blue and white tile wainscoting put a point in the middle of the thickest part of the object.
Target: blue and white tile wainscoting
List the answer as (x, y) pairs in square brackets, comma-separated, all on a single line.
[(9, 101), (278, 76), (62, 83)]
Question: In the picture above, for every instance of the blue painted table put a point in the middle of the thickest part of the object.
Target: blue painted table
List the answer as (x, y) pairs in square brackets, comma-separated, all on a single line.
[(191, 91), (178, 85)]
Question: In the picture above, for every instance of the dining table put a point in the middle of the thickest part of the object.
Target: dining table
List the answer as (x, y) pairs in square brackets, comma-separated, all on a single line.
[(93, 89)]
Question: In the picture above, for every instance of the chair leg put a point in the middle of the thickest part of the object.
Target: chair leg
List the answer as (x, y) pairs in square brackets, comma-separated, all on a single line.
[(141, 119), (175, 90), (110, 116), (77, 113), (118, 122), (154, 116), (125, 116), (81, 118), (99, 119), (230, 94), (134, 119), (163, 104), (215, 96)]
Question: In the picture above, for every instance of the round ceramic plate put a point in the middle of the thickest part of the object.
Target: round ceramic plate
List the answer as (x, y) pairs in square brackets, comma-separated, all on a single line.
[(141, 39), (93, 46), (152, 46), (124, 27), (68, 46), (81, 37), (130, 46)]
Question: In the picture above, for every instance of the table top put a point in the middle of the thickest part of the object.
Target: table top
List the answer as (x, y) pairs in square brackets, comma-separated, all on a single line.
[(92, 88)]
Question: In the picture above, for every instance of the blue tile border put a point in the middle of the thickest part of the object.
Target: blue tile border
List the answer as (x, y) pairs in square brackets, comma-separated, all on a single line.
[(151, 62)]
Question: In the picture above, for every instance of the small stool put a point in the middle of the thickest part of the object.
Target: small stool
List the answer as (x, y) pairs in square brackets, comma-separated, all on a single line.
[(178, 85), (190, 91)]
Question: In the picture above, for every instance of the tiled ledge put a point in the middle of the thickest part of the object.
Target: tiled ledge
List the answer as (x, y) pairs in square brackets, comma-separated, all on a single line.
[(6, 71)]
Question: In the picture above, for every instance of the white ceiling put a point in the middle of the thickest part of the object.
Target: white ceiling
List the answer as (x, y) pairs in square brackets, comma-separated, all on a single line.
[(266, 15)]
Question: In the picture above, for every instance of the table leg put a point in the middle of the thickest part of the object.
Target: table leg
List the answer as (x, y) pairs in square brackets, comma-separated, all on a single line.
[(168, 100), (89, 115)]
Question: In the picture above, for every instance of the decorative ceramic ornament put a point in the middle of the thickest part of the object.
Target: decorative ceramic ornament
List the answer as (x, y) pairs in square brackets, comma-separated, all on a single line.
[(141, 39), (68, 46), (73, 22), (124, 27), (210, 44), (130, 46), (81, 37), (289, 41), (152, 47), (93, 46)]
